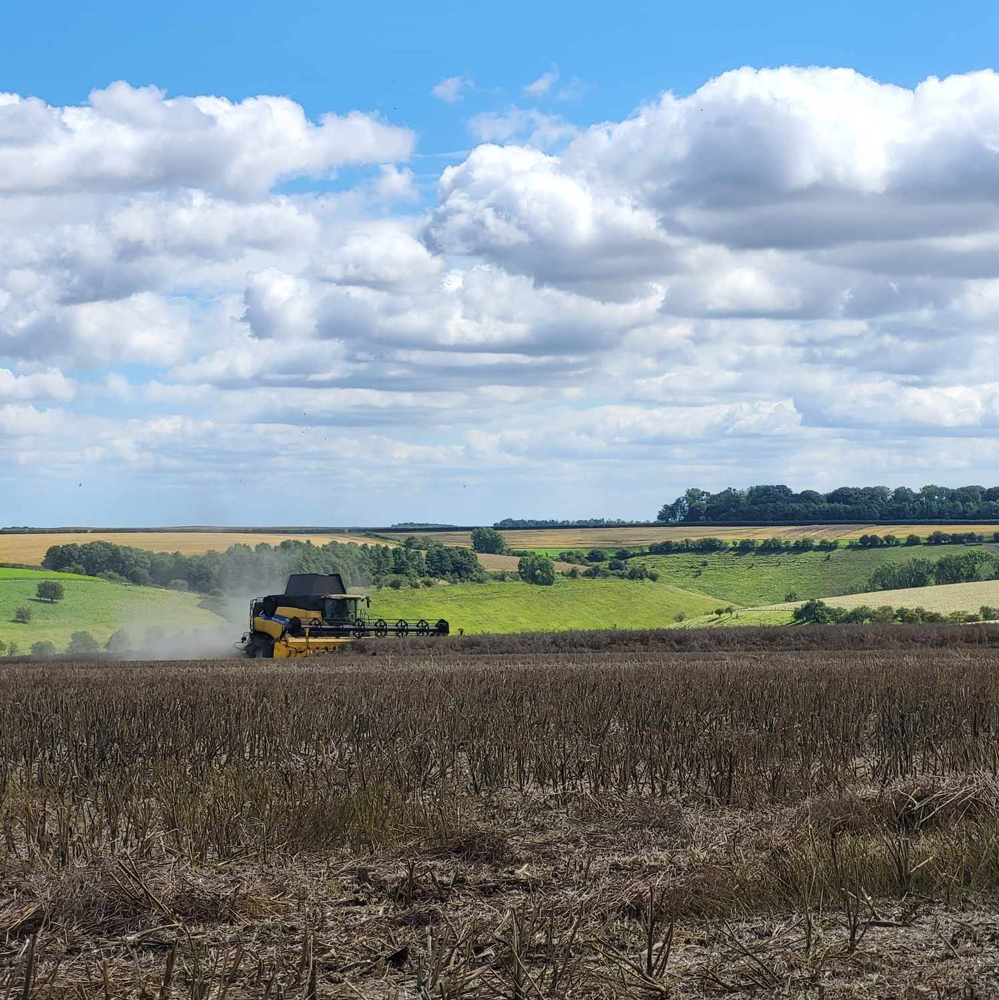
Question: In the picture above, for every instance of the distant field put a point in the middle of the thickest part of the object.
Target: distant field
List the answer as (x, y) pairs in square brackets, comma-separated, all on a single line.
[(93, 606), (755, 580), (952, 597), (522, 607), (559, 539), (743, 617), (494, 563), (31, 549)]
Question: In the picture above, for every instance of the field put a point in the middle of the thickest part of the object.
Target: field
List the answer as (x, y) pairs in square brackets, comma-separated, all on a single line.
[(557, 540), (31, 549), (953, 597), (474, 819), (93, 606), (754, 580), (517, 607)]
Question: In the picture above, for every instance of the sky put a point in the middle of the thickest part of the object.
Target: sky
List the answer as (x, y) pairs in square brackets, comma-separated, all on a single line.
[(355, 264)]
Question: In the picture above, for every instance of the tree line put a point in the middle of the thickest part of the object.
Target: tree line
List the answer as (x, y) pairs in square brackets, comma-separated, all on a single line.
[(242, 569), (768, 504)]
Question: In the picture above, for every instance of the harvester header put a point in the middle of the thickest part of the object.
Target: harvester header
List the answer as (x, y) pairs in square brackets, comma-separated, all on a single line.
[(316, 614)]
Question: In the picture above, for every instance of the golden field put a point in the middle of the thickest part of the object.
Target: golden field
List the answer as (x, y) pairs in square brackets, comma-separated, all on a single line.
[(576, 538), (31, 549)]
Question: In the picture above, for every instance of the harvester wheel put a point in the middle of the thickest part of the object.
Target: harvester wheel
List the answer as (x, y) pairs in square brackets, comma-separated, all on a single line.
[(423, 626), (259, 649), (315, 623), (360, 627), (402, 626), (381, 627)]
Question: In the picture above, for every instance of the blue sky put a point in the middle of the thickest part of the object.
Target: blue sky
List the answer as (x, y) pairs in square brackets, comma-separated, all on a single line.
[(465, 261)]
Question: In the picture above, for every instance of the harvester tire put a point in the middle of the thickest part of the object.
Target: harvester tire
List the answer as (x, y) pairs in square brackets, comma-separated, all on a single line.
[(423, 626), (259, 649), (402, 626), (381, 627)]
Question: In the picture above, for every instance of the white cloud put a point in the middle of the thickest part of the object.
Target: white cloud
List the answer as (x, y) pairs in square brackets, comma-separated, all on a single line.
[(789, 274), (544, 83), (450, 88), (137, 138)]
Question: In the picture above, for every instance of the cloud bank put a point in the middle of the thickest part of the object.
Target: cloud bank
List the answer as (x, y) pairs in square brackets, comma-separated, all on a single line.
[(788, 275)]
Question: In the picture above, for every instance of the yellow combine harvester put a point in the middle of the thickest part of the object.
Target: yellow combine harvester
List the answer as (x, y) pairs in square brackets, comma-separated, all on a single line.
[(315, 614)]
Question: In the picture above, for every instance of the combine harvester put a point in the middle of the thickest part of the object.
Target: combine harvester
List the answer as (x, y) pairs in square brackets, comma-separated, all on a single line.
[(315, 614)]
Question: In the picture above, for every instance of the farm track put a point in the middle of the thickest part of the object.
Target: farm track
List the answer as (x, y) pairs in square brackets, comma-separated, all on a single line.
[(575, 815)]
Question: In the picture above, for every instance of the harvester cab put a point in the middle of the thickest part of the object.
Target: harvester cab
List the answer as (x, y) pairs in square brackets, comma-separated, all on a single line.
[(316, 614)]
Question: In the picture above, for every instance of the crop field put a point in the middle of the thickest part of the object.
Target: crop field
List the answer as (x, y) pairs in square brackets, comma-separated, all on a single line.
[(555, 540), (30, 549), (94, 606), (489, 821), (520, 607), (753, 580), (952, 597)]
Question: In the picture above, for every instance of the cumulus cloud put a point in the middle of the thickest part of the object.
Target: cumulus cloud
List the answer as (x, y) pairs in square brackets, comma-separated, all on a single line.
[(137, 137), (450, 88), (788, 274)]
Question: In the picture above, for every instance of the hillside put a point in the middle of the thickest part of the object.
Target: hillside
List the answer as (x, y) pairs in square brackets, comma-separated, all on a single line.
[(755, 580), (952, 597), (522, 607), (94, 606)]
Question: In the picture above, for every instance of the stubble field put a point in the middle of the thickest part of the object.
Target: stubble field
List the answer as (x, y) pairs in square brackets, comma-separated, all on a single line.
[(593, 815)]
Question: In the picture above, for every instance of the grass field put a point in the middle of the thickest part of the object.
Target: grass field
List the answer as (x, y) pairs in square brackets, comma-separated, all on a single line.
[(557, 540), (522, 607), (743, 617), (93, 606), (491, 822), (755, 580), (31, 549)]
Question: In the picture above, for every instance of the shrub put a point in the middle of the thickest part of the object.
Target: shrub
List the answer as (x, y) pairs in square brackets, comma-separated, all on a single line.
[(816, 612), (988, 613), (395, 583), (745, 545), (23, 615), (791, 596), (51, 591), (679, 617), (82, 644), (653, 576), (140, 577), (536, 568), (596, 555), (177, 585), (638, 573), (913, 540), (622, 554), (43, 648), (572, 573), (617, 564), (488, 540)]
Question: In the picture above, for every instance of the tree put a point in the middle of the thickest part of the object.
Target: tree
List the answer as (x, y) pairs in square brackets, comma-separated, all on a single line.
[(118, 642), (43, 648), (82, 644), (22, 615), (488, 540), (51, 591), (536, 568)]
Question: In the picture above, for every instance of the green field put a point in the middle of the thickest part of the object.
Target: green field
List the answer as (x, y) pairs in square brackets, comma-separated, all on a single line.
[(94, 606), (742, 616), (755, 580), (522, 607)]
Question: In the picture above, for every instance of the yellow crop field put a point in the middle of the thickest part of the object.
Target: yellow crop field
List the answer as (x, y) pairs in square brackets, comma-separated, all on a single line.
[(968, 597), (31, 549), (585, 538)]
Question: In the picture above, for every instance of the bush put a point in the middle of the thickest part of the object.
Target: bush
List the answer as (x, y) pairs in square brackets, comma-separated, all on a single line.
[(23, 615), (536, 568), (680, 617), (988, 613), (140, 577), (791, 596), (82, 644), (638, 573), (51, 591), (488, 540), (43, 648), (617, 564), (596, 555), (816, 612), (653, 576), (623, 554), (572, 573), (177, 585), (745, 545), (913, 540), (395, 583)]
